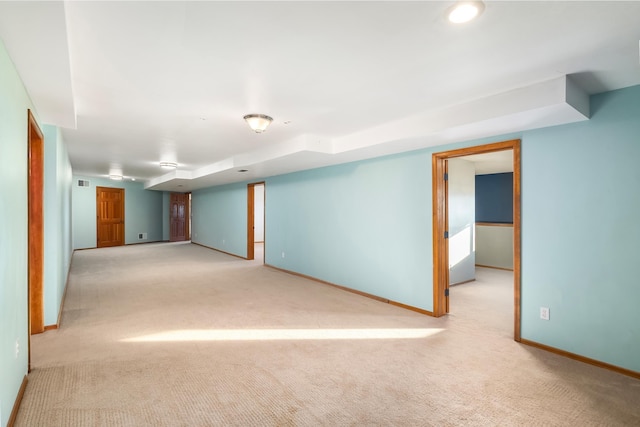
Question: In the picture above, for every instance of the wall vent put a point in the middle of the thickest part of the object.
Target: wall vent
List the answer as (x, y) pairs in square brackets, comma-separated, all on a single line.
[(142, 236), (83, 183)]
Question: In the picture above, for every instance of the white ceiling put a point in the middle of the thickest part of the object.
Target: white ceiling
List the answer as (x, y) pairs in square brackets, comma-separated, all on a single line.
[(488, 163), (136, 83)]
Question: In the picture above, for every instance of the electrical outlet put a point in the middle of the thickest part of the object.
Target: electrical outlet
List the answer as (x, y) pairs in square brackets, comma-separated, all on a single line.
[(282, 254), (17, 348), (544, 313), (223, 241)]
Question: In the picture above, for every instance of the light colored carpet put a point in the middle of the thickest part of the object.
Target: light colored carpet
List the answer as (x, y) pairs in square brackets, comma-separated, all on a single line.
[(175, 334)]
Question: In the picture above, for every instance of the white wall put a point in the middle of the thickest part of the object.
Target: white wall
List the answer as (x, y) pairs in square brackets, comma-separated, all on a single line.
[(258, 210), (494, 246), (462, 217)]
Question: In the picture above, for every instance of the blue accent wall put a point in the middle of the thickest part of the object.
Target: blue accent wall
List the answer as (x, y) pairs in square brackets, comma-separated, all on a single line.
[(143, 212), (494, 198)]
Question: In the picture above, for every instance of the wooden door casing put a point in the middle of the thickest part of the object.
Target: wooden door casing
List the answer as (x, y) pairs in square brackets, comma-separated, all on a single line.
[(110, 216), (440, 225), (35, 227), (250, 221), (178, 217)]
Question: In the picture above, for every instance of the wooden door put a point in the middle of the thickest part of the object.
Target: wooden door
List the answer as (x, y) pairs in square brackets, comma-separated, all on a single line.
[(178, 217), (110, 213)]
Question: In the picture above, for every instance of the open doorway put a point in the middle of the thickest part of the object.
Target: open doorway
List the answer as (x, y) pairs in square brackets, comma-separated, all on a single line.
[(480, 215), (454, 234), (255, 221)]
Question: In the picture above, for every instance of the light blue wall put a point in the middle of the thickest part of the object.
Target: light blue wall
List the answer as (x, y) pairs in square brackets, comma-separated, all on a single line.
[(364, 225), (220, 218), (581, 230), (143, 211), (58, 241), (14, 103)]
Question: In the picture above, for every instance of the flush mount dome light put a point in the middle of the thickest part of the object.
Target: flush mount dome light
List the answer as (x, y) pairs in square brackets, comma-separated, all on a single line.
[(168, 165), (258, 122), (115, 177), (464, 11)]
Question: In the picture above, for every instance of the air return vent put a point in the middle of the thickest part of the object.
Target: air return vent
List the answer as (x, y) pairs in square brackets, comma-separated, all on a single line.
[(83, 183)]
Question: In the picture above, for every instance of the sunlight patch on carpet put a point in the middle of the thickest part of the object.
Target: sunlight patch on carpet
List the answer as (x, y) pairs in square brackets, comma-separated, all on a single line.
[(284, 334)]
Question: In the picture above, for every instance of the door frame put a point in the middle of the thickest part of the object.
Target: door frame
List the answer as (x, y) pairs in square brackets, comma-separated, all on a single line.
[(251, 219), (188, 225), (440, 225), (35, 236)]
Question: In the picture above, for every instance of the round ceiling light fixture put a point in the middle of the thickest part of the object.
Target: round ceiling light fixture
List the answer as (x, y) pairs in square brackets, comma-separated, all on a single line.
[(168, 165), (258, 122), (115, 177), (464, 11)]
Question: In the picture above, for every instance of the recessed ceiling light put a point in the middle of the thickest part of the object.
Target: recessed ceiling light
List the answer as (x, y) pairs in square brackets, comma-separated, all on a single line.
[(464, 11), (168, 165), (115, 177)]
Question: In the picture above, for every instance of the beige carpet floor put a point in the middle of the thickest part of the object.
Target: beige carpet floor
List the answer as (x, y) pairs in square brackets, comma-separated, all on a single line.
[(179, 335)]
